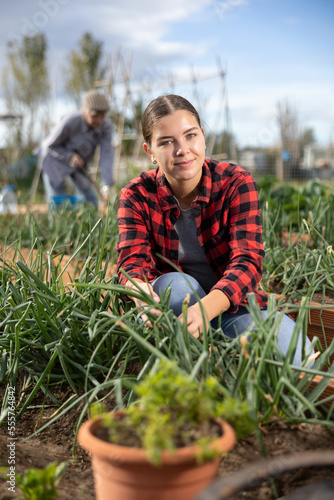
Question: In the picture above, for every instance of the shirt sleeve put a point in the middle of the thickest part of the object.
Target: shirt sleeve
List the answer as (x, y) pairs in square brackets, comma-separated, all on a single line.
[(133, 245), (246, 251), (55, 144), (107, 154)]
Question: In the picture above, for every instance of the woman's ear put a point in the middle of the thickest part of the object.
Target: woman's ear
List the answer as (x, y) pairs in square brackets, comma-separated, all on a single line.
[(148, 151)]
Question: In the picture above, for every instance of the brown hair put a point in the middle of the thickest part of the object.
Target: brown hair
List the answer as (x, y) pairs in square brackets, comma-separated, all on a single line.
[(163, 106)]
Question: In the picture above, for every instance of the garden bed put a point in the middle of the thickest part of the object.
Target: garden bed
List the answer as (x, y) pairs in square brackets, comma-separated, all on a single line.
[(321, 321), (71, 267), (320, 324), (77, 315), (56, 442)]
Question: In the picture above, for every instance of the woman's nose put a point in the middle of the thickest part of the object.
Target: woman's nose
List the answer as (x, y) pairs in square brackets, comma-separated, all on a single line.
[(179, 149)]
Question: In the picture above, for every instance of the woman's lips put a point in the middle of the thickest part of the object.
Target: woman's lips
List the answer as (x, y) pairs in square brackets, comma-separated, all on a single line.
[(184, 164)]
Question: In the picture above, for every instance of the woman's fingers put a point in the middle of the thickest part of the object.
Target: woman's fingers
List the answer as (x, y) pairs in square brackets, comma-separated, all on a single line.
[(142, 305), (194, 320)]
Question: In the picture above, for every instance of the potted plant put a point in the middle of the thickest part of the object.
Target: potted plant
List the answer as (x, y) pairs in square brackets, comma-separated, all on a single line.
[(166, 444)]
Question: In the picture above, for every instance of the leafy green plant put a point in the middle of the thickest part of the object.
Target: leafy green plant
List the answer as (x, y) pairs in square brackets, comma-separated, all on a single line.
[(174, 409), (285, 206), (41, 484), (298, 268), (297, 235)]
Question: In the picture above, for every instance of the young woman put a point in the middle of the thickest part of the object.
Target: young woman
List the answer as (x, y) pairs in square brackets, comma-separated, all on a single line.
[(202, 216)]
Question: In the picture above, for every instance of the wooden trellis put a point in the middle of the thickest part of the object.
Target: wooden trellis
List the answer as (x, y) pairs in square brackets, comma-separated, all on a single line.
[(120, 73)]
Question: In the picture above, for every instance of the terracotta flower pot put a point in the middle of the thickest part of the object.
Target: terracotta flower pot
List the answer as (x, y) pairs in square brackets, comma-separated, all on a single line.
[(123, 473)]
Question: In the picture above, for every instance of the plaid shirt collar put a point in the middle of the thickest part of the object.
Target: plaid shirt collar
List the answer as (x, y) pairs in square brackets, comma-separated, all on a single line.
[(166, 198)]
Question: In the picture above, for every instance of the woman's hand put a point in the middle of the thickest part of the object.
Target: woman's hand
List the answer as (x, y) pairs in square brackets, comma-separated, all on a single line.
[(212, 305), (195, 320), (147, 288)]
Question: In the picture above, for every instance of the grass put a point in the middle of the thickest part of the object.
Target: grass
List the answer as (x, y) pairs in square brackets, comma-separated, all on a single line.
[(63, 230), (88, 338)]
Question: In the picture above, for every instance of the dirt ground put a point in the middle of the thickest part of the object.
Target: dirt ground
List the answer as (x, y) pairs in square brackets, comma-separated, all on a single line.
[(56, 443)]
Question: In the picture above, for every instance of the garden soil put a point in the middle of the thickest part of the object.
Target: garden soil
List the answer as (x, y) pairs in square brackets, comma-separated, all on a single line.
[(56, 443)]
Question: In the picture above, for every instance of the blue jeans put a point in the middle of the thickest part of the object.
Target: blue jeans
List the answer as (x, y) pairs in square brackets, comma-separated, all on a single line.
[(89, 195), (232, 324)]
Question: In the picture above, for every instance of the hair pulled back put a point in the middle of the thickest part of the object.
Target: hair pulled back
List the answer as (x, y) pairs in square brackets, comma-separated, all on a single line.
[(163, 106)]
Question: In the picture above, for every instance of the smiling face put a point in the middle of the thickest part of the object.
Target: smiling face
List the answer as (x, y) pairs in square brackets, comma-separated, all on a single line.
[(178, 147)]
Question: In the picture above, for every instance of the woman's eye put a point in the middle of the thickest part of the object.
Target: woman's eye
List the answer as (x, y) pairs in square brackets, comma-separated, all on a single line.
[(190, 136), (166, 143)]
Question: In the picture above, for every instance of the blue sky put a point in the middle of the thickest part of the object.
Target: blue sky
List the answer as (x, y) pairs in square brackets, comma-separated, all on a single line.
[(272, 50)]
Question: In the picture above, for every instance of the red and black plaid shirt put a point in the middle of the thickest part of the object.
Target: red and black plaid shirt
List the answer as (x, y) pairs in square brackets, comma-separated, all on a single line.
[(227, 214)]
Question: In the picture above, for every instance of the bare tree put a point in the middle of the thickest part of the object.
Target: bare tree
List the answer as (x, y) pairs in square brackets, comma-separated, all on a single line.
[(84, 67), (288, 122), (25, 83)]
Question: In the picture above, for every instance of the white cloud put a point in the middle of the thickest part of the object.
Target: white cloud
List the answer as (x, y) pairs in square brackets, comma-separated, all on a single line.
[(169, 39), (133, 24), (225, 8), (144, 26)]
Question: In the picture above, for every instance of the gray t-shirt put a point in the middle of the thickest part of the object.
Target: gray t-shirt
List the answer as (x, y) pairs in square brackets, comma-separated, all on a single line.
[(191, 255)]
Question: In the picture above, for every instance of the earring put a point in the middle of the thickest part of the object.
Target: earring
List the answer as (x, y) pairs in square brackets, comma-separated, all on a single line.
[(154, 160)]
